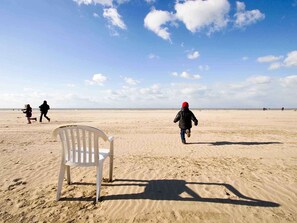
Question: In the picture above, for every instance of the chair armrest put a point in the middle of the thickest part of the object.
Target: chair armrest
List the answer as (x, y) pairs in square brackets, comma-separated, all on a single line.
[(110, 139), (55, 133)]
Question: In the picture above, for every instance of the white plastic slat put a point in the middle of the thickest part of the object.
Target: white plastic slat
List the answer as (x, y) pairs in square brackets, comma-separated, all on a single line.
[(73, 145), (84, 144), (67, 145), (90, 146), (96, 155), (78, 145)]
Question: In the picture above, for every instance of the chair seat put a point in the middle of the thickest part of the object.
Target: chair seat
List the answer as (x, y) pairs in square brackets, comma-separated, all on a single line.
[(103, 154)]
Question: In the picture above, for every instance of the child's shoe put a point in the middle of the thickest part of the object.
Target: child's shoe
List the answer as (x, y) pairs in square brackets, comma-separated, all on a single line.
[(184, 141), (188, 132)]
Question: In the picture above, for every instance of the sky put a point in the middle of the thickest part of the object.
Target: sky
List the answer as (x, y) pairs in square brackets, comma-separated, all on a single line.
[(148, 53)]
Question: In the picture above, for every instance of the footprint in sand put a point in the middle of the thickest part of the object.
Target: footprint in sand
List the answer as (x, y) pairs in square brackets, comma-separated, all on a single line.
[(16, 182)]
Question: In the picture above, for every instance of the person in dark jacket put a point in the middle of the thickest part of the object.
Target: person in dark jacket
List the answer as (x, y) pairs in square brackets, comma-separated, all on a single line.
[(28, 111), (44, 109), (185, 117)]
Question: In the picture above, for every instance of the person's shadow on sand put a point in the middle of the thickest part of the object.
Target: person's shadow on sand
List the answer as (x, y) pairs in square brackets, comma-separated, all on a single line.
[(224, 143), (173, 190)]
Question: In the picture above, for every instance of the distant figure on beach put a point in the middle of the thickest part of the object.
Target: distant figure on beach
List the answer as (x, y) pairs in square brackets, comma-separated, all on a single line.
[(283, 108), (44, 109), (264, 109), (185, 117), (28, 111)]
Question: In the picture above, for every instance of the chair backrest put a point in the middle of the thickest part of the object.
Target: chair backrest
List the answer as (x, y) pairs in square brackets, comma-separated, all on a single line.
[(80, 144)]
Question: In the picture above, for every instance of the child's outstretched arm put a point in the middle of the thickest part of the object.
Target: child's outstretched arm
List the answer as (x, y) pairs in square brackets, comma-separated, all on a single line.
[(195, 120), (177, 117)]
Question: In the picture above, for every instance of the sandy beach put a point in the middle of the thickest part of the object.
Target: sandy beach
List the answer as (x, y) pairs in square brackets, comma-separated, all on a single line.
[(238, 166)]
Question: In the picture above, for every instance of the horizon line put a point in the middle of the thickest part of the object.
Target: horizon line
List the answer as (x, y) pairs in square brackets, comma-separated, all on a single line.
[(194, 108)]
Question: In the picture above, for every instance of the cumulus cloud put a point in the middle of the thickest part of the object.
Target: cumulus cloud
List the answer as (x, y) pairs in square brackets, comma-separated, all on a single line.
[(193, 55), (155, 89), (88, 2), (187, 75), (259, 80), (198, 15), (289, 81), (268, 59), (279, 61), (150, 96), (254, 92), (112, 15), (244, 18), (201, 14), (98, 79), (155, 21), (130, 81), (291, 59), (274, 66)]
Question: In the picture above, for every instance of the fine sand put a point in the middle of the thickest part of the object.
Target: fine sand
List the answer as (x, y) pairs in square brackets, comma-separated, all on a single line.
[(239, 166)]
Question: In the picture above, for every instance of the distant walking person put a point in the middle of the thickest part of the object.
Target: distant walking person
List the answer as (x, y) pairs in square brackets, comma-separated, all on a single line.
[(28, 111), (44, 109), (185, 117)]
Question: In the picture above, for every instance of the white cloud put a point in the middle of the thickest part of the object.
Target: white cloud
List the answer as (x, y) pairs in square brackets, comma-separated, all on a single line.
[(274, 66), (253, 92), (70, 85), (244, 18), (153, 90), (96, 15), (204, 68), (201, 14), (122, 1), (193, 55), (150, 1), (112, 15), (98, 79), (155, 21), (291, 59), (186, 75), (268, 59), (153, 56), (289, 81), (244, 58), (259, 80), (131, 81), (88, 2)]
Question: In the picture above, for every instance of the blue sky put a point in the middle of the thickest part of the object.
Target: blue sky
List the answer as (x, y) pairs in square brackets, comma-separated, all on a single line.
[(148, 53)]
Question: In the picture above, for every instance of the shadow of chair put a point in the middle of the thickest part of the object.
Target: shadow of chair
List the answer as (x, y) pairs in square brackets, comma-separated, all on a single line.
[(171, 190)]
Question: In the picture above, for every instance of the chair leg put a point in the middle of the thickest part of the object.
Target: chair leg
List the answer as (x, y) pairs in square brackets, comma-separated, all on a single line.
[(98, 180), (60, 181), (68, 175), (110, 168)]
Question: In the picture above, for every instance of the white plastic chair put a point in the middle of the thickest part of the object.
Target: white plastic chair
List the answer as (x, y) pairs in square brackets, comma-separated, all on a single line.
[(80, 147)]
